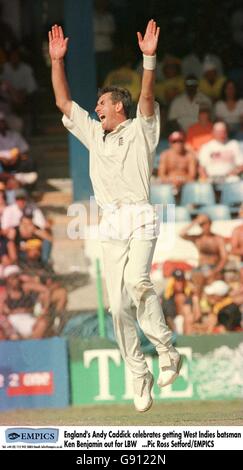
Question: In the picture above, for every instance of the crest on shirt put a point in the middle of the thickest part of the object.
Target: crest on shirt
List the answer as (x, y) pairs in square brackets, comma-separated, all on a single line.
[(120, 141)]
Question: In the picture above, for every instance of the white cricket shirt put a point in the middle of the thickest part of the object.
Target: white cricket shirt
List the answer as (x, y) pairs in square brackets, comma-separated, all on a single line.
[(120, 165)]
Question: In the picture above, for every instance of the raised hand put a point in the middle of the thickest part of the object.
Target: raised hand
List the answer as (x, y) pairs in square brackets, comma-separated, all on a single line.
[(148, 43), (57, 43)]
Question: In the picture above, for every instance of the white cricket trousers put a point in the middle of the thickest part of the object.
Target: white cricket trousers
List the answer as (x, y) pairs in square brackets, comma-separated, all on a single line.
[(131, 294)]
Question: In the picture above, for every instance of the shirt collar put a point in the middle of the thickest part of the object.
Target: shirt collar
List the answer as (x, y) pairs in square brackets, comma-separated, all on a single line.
[(122, 125)]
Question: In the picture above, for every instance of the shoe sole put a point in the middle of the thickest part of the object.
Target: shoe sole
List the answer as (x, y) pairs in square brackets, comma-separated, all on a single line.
[(179, 365), (150, 403)]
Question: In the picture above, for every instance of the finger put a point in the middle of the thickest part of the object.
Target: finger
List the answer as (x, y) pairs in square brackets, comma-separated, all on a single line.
[(50, 36), (66, 41), (153, 27), (150, 26), (55, 31), (60, 32), (139, 35), (157, 33)]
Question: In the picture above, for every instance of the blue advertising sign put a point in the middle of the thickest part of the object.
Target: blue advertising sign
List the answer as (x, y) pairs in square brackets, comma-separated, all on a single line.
[(34, 374)]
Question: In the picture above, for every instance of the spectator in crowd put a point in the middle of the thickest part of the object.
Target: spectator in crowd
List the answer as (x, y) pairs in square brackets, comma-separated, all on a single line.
[(19, 304), (201, 132), (191, 64), (172, 84), (19, 79), (124, 76), (212, 58), (220, 159), (180, 304), (14, 155), (211, 82), (177, 164), (212, 251), (224, 313), (229, 318), (230, 108), (57, 297), (28, 240), (12, 214), (185, 107)]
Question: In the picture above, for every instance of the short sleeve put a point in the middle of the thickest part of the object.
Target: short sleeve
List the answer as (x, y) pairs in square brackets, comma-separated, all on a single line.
[(150, 127)]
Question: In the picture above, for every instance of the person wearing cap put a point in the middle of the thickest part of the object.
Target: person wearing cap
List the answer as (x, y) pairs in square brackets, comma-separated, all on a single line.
[(180, 303), (221, 159), (211, 83), (14, 154), (219, 298), (177, 165), (28, 240), (211, 248), (185, 107), (13, 213)]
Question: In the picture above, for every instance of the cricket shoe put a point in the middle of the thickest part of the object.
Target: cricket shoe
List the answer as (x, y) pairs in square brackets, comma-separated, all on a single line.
[(169, 373), (142, 392)]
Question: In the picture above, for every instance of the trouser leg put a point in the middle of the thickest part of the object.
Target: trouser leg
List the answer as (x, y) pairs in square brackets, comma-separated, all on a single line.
[(115, 254), (149, 312)]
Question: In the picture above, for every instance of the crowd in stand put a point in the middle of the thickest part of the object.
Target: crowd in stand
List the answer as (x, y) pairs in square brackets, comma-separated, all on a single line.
[(207, 298), (30, 298), (201, 101)]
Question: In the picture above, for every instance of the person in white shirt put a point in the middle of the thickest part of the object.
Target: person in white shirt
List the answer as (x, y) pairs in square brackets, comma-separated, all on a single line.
[(13, 213), (121, 157), (184, 108), (230, 108), (220, 159)]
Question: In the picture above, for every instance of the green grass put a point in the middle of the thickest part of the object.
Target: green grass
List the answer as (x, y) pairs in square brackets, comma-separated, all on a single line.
[(205, 413)]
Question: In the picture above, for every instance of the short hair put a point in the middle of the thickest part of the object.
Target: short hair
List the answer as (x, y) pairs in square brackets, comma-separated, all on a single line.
[(118, 94)]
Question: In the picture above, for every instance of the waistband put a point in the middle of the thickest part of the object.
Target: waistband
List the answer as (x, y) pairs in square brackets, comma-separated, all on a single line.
[(113, 206)]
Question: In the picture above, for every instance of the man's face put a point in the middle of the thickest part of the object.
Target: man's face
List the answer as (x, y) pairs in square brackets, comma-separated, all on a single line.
[(205, 225), (21, 203), (220, 132), (107, 112)]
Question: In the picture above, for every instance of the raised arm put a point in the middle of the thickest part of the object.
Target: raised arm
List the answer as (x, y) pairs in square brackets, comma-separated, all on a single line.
[(57, 51), (148, 45)]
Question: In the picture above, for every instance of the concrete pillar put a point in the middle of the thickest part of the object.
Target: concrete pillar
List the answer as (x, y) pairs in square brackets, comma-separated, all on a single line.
[(80, 64)]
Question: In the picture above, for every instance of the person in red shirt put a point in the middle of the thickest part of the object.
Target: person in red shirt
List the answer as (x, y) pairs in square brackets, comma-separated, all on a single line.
[(201, 132)]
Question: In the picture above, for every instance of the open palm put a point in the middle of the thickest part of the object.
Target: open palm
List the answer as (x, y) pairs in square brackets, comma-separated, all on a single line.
[(57, 43), (148, 43)]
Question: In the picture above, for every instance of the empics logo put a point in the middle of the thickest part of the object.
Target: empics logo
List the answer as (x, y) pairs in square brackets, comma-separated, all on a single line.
[(33, 436), (13, 435)]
